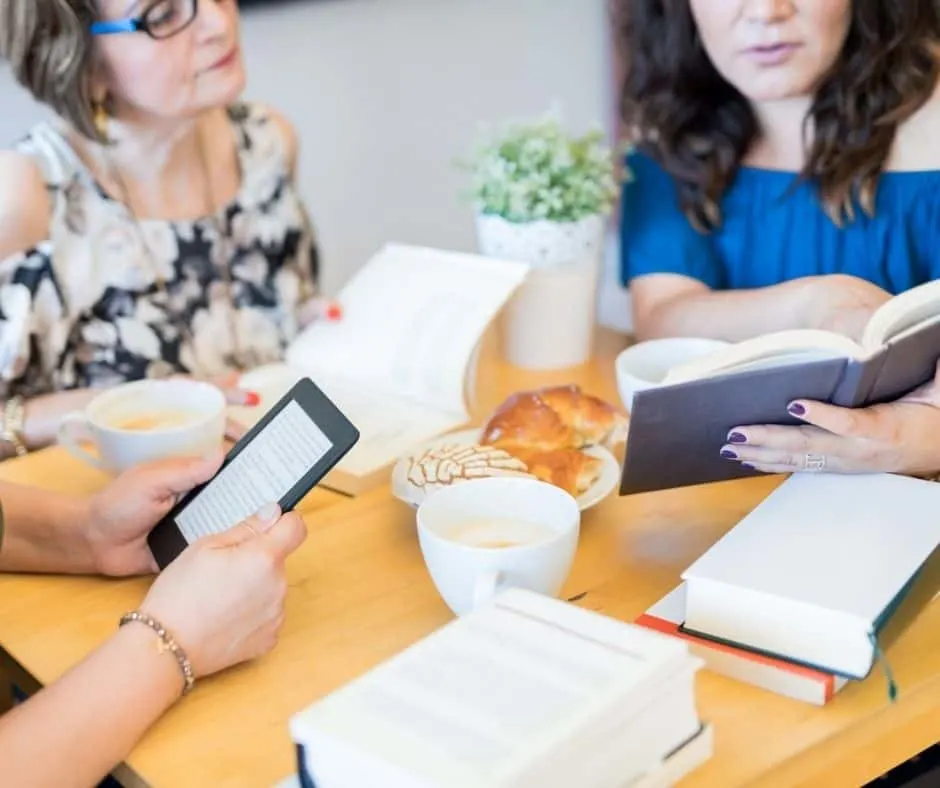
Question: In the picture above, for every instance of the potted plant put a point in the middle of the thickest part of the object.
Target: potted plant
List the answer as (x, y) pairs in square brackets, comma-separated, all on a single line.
[(542, 196)]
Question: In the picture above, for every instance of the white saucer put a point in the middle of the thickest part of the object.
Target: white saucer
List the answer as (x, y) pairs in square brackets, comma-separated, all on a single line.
[(597, 492)]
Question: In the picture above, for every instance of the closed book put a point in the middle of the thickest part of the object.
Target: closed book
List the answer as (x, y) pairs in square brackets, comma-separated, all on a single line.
[(677, 430), (770, 673), (525, 691), (816, 570)]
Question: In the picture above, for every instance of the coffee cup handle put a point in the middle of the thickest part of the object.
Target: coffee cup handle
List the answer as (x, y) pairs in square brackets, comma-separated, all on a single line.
[(487, 584), (72, 430)]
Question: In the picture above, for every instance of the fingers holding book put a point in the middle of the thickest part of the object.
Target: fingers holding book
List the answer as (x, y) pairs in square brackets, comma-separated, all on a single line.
[(897, 437)]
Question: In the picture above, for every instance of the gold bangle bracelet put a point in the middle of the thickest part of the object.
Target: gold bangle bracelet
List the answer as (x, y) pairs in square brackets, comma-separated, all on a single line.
[(166, 643)]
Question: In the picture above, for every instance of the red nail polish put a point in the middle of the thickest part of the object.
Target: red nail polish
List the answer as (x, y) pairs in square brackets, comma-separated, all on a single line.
[(334, 312), (252, 399)]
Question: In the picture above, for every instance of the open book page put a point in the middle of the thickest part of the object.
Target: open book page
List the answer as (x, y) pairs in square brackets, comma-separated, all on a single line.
[(477, 701), (907, 312), (778, 349), (388, 425), (412, 319)]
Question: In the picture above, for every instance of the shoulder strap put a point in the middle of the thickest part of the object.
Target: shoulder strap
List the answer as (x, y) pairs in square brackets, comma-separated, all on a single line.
[(52, 154)]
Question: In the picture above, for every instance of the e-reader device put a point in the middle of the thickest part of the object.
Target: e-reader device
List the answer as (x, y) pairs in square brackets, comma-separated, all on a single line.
[(280, 459)]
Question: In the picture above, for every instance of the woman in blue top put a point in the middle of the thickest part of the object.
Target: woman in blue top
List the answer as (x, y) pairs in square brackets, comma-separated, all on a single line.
[(785, 176)]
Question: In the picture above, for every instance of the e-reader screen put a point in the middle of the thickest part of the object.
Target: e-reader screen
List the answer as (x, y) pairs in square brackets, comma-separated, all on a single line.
[(280, 459)]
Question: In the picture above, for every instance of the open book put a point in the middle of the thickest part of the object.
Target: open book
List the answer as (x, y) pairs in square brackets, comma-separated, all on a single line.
[(906, 315), (401, 361), (677, 430)]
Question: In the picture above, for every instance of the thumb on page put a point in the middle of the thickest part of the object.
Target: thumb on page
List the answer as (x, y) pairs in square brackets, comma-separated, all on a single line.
[(251, 527)]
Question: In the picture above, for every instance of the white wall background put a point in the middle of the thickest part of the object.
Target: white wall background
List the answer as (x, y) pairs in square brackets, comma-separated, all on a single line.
[(386, 94)]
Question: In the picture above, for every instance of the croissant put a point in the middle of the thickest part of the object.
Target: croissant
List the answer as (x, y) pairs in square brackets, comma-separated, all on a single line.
[(524, 419), (571, 469), (593, 420)]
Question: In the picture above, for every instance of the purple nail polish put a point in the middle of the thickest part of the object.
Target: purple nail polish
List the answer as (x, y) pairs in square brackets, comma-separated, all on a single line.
[(728, 454), (747, 465), (737, 437), (795, 409)]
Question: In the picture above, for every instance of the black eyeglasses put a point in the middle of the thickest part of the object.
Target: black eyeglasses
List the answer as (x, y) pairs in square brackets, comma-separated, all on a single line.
[(161, 19)]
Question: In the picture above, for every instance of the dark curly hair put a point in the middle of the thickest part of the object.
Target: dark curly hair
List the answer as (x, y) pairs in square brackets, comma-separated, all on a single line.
[(698, 127)]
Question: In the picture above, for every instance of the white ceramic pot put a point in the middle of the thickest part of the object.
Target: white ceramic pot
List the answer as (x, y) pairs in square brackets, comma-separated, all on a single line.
[(541, 243), (549, 322)]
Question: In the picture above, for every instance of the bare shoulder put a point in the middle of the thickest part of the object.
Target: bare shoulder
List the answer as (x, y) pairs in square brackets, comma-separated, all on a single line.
[(24, 204), (288, 134), (915, 145)]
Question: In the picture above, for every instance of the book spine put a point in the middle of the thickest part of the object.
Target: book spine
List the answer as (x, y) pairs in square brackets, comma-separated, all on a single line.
[(857, 381)]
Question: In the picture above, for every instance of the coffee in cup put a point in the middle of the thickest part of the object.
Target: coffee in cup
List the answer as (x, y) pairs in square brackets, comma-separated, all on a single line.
[(498, 533), (155, 420), (486, 534), (144, 421)]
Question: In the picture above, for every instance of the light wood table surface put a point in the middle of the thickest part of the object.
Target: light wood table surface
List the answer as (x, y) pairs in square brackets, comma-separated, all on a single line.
[(359, 593)]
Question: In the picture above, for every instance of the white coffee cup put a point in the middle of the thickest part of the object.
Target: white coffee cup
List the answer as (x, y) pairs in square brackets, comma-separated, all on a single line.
[(458, 527), (645, 364), (144, 421)]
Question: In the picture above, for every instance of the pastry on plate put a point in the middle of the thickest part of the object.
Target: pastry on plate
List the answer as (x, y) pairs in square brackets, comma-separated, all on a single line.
[(443, 465), (571, 469), (524, 419), (594, 420), (556, 417)]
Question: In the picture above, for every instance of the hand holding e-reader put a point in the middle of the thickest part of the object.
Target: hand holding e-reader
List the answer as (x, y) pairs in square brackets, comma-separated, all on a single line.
[(279, 460)]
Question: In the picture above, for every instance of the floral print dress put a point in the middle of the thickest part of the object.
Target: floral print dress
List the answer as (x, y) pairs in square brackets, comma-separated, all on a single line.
[(107, 299)]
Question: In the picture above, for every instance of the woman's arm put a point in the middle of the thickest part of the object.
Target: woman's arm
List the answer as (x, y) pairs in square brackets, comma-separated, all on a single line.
[(222, 601), (44, 533), (24, 204), (669, 305), (73, 732)]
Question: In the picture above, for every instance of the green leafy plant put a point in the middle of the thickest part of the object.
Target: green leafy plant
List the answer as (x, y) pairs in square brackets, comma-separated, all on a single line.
[(536, 171)]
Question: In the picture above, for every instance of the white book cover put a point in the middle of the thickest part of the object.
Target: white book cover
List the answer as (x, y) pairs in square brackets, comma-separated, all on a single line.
[(401, 361), (525, 691), (827, 554)]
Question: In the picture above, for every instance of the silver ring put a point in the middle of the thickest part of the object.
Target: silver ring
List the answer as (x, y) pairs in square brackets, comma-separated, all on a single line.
[(814, 462)]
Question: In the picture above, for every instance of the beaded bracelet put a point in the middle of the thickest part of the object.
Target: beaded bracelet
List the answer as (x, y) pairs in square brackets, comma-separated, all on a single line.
[(167, 643)]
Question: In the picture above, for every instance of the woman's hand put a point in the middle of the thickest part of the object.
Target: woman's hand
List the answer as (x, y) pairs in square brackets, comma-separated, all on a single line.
[(898, 437), (842, 303), (123, 513), (223, 598)]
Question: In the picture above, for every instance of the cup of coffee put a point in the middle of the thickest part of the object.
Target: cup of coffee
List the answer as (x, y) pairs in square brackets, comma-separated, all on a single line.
[(145, 421), (483, 535)]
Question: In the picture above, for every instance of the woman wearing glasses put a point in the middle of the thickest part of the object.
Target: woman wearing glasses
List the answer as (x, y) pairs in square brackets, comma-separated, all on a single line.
[(154, 228)]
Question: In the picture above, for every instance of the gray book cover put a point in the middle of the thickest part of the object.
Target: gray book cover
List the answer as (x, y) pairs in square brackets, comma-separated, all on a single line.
[(676, 432)]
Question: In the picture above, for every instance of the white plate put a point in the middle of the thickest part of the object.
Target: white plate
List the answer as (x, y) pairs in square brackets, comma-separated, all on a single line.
[(597, 492)]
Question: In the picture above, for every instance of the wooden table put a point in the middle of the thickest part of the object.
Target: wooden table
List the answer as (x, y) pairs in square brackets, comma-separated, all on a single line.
[(359, 593)]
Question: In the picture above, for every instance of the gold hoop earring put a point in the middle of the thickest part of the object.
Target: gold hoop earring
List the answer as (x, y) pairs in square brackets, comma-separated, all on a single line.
[(101, 120)]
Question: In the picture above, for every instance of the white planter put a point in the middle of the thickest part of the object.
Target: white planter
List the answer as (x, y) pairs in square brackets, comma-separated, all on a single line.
[(549, 322), (541, 243)]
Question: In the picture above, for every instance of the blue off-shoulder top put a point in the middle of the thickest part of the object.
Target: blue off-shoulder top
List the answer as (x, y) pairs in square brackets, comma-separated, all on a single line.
[(774, 230)]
